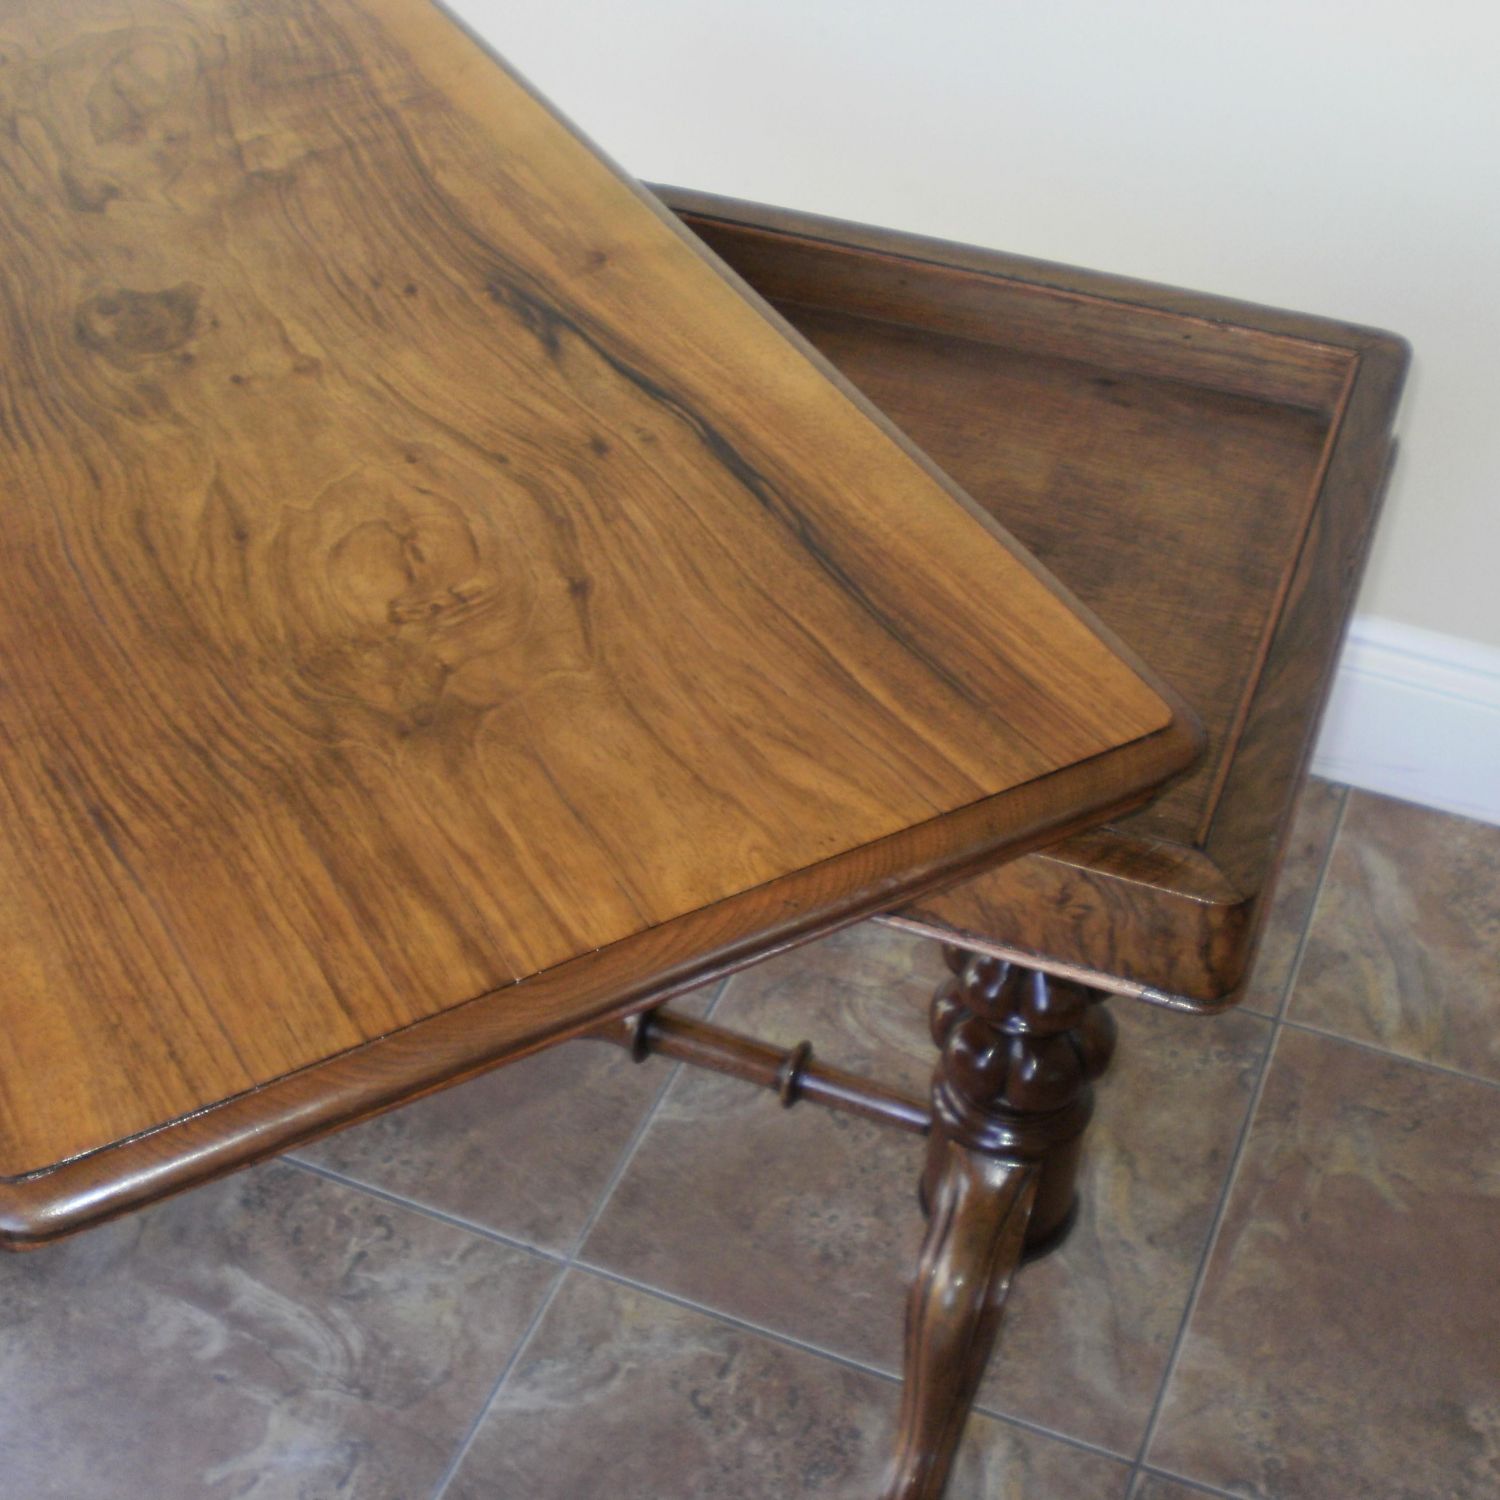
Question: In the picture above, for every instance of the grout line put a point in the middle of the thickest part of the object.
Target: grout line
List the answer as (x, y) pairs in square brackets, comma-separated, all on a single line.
[(461, 1452), (1217, 1223), (774, 1335), (563, 1262), (1446, 1070), (720, 992), (1040, 1429), (1284, 1019), (1280, 1023), (831, 1356), (457, 1221), (1200, 1485), (622, 1165), (1284, 1004), (566, 1264), (1221, 1208), (426, 1210), (633, 1145)]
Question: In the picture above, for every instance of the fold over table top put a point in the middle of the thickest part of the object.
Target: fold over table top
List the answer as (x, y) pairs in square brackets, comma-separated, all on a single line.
[(433, 591)]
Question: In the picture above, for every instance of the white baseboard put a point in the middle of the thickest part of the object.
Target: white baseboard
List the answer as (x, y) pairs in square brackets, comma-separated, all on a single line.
[(1415, 715)]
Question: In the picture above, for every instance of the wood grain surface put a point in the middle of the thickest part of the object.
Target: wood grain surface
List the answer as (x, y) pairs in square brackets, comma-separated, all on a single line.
[(421, 566), (1204, 473)]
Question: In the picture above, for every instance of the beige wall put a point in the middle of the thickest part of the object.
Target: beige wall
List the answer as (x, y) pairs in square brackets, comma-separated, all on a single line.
[(1336, 156)]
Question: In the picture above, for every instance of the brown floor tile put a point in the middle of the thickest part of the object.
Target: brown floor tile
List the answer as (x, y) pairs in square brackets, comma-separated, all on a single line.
[(1296, 888), (272, 1337), (1405, 947), (1091, 1328), (669, 1402), (1347, 1341), (806, 1223), (1159, 1487), (801, 1220), (525, 1150)]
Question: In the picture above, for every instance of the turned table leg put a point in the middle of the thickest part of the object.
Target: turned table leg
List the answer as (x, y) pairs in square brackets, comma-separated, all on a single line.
[(1010, 1101)]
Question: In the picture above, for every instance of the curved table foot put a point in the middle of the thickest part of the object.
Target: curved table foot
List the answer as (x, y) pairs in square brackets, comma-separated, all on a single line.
[(1010, 1101), (980, 1207)]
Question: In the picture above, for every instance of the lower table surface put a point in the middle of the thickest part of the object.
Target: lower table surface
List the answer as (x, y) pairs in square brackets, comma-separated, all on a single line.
[(1202, 472), (438, 608)]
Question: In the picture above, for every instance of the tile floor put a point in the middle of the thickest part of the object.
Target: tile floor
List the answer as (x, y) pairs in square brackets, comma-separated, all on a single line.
[(580, 1278)]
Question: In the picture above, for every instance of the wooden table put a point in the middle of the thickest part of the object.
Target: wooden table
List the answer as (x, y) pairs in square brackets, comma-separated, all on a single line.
[(441, 609)]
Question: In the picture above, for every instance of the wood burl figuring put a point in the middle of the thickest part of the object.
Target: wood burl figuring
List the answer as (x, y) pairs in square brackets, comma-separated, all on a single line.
[(445, 611)]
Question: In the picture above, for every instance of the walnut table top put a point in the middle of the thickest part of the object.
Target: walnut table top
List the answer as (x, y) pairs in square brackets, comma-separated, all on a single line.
[(439, 605)]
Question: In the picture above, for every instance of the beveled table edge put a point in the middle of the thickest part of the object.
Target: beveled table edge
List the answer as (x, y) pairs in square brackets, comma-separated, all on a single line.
[(507, 1023)]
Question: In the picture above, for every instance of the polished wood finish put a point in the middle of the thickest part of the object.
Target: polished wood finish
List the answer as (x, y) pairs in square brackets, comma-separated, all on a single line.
[(1020, 1050), (1202, 472), (792, 1073), (438, 608), (1011, 1098), (980, 1208)]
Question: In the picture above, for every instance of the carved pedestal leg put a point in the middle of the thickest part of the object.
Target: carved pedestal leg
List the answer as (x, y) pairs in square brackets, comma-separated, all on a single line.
[(1010, 1102), (976, 1227)]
